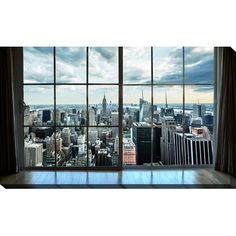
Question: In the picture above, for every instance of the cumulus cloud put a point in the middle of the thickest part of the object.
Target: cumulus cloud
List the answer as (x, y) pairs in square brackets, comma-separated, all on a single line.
[(137, 65), (103, 65), (38, 65), (103, 68)]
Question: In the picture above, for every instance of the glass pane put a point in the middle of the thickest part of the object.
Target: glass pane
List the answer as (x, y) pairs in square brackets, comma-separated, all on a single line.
[(136, 125), (71, 146), (141, 138), (38, 65), (167, 101), (71, 65), (39, 146), (200, 106), (167, 65), (199, 65), (136, 105), (137, 65), (167, 116), (39, 102), (71, 105), (103, 65), (103, 146), (199, 110), (103, 105)]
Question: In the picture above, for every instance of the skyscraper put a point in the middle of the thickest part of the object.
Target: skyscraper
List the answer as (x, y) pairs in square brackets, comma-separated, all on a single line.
[(114, 122), (167, 140), (208, 121), (145, 112), (26, 120), (104, 106), (199, 110), (92, 118), (65, 134), (46, 115), (33, 154), (129, 152), (142, 139), (197, 151)]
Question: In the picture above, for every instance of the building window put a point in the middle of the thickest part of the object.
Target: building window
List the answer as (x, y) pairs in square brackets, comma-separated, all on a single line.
[(73, 106)]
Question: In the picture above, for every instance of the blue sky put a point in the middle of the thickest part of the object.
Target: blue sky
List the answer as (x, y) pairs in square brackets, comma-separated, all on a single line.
[(103, 68)]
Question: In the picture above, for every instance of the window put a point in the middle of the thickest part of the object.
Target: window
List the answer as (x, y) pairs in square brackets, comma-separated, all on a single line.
[(168, 106), (71, 115), (82, 112)]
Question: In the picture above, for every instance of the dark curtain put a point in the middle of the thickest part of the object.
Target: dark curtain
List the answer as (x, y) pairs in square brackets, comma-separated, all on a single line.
[(226, 122), (11, 69)]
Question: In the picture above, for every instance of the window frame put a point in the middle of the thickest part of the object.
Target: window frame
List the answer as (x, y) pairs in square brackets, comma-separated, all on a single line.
[(120, 85)]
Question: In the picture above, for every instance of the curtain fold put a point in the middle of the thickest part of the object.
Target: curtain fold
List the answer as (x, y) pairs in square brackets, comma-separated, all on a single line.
[(11, 74), (226, 111)]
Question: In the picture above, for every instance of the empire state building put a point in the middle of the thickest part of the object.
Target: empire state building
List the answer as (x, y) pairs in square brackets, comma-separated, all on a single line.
[(104, 106)]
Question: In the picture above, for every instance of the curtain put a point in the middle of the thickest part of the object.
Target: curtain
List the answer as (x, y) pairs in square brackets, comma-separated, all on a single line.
[(226, 110), (11, 117)]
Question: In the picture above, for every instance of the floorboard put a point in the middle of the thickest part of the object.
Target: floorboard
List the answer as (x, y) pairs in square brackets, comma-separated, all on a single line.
[(130, 178)]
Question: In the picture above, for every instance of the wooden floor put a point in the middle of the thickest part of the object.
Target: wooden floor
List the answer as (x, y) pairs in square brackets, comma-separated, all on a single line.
[(158, 178)]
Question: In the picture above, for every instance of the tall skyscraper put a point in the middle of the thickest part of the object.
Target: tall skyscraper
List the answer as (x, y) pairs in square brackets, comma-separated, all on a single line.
[(142, 139), (115, 122), (168, 126), (92, 117), (145, 112), (199, 110), (104, 106)]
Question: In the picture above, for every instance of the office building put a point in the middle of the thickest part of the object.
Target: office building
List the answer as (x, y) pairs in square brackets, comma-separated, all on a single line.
[(168, 126), (33, 154), (199, 110), (65, 134), (129, 152), (46, 116), (191, 150)]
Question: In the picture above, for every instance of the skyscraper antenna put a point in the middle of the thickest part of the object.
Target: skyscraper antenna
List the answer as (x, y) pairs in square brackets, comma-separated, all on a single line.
[(142, 93), (166, 101)]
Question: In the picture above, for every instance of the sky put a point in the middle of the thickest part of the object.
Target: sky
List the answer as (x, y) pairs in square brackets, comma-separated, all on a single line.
[(103, 68)]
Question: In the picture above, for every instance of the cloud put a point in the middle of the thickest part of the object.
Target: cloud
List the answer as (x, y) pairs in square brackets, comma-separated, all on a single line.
[(201, 72), (202, 88), (108, 53), (137, 65), (38, 65), (71, 55), (198, 66), (103, 66)]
